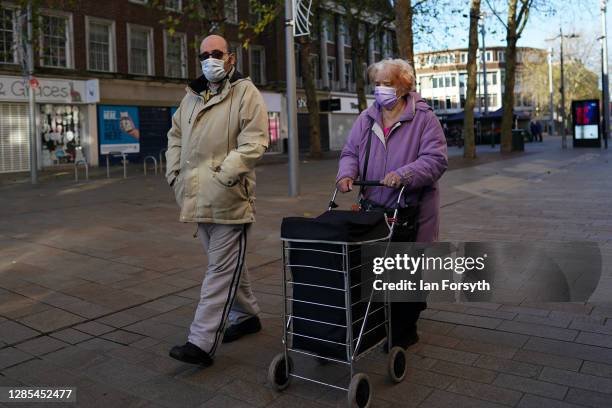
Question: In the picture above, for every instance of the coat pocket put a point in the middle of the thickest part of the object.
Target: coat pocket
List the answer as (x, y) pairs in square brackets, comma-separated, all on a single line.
[(179, 189)]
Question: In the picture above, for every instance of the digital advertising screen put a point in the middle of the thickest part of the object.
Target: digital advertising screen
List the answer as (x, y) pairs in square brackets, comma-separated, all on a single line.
[(585, 118)]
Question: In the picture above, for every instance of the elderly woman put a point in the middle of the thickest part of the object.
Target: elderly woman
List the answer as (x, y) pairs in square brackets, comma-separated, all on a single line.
[(399, 141)]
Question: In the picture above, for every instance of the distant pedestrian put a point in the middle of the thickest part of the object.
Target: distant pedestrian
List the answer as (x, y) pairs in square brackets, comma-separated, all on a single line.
[(399, 141), (533, 129), (539, 130), (218, 133)]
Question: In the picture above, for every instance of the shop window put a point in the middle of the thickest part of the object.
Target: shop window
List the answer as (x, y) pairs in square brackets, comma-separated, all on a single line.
[(230, 8), (100, 45), (60, 127), (176, 55), (14, 138), (8, 33), (140, 41), (56, 37), (257, 64)]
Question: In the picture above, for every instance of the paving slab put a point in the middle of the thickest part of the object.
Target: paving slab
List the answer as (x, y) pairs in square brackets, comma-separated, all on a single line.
[(115, 295)]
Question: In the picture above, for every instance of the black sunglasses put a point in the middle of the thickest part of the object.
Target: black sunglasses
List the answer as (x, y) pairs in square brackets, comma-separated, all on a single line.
[(216, 54)]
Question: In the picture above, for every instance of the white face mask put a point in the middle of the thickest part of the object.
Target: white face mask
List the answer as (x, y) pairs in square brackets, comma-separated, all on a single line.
[(213, 69)]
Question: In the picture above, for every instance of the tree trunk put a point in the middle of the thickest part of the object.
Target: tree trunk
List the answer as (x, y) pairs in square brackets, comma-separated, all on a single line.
[(469, 146), (358, 51), (508, 98), (311, 96), (403, 24)]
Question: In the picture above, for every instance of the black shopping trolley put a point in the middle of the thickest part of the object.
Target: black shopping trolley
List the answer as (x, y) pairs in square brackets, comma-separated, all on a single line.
[(330, 312)]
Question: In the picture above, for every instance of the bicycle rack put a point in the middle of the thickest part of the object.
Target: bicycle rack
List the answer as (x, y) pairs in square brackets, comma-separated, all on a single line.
[(123, 160), (144, 164), (76, 170)]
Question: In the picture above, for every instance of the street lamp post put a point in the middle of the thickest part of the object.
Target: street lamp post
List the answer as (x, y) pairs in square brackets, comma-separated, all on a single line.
[(562, 90), (551, 125), (484, 68), (562, 85), (294, 188), (605, 103)]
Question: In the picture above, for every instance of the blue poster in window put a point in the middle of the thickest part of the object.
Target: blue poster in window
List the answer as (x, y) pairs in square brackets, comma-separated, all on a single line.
[(173, 110), (118, 129)]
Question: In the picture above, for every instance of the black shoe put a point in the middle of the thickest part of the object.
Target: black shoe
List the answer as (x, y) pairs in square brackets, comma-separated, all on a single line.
[(192, 354), (236, 331), (403, 342)]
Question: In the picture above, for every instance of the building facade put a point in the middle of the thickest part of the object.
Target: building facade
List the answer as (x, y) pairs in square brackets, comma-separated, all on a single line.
[(110, 75), (442, 78)]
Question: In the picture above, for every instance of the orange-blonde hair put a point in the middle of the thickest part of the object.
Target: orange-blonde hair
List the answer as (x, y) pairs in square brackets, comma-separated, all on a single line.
[(399, 69)]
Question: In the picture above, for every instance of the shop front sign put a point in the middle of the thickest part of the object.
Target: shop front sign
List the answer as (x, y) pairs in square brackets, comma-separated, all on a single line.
[(56, 90)]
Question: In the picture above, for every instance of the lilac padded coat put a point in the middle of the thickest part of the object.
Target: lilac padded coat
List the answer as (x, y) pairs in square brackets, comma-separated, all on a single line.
[(415, 148)]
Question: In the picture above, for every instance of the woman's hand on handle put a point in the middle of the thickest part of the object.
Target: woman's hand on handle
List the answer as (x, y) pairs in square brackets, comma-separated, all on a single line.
[(392, 179), (345, 184)]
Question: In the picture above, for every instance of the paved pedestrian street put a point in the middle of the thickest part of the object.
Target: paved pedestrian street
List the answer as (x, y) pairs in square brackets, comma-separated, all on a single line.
[(98, 280)]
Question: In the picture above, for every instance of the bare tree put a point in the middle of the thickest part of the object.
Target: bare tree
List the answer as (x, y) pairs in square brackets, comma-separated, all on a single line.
[(518, 12), (211, 17), (469, 147), (403, 25), (307, 68), (408, 24), (581, 77), (379, 14)]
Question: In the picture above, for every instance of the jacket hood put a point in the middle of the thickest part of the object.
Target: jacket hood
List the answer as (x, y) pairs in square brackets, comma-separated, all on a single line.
[(415, 102), (201, 83)]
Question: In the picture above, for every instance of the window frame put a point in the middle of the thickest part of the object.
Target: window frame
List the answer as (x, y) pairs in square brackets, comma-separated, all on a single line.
[(351, 73), (330, 35), (236, 48), (112, 52), (176, 10), (69, 38), (151, 46), (185, 71), (235, 7), (334, 72), (262, 50), (16, 35)]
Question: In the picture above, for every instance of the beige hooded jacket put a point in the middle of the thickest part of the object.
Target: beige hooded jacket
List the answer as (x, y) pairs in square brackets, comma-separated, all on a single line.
[(212, 150)]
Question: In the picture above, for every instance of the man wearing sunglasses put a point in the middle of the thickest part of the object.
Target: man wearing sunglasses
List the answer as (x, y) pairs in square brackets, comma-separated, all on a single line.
[(218, 133)]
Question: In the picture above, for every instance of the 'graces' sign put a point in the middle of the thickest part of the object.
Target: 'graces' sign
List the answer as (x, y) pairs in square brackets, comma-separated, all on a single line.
[(14, 89)]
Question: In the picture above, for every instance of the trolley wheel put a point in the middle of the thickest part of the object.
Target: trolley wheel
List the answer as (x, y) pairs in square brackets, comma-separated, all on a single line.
[(277, 372), (397, 364), (360, 391)]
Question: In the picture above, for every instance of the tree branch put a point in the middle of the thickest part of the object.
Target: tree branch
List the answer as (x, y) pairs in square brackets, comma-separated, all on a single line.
[(496, 14)]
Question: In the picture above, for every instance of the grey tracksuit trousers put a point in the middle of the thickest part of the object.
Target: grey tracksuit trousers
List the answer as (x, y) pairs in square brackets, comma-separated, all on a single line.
[(226, 291)]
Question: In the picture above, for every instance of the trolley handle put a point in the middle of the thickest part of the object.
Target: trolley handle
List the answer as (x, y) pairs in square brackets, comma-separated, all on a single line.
[(371, 183)]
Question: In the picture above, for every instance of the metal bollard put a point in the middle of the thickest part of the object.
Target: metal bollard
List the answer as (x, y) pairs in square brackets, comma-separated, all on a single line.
[(145, 164), (161, 160), (76, 170), (123, 161)]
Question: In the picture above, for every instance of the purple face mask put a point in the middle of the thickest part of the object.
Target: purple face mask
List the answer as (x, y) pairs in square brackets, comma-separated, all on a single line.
[(385, 96)]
